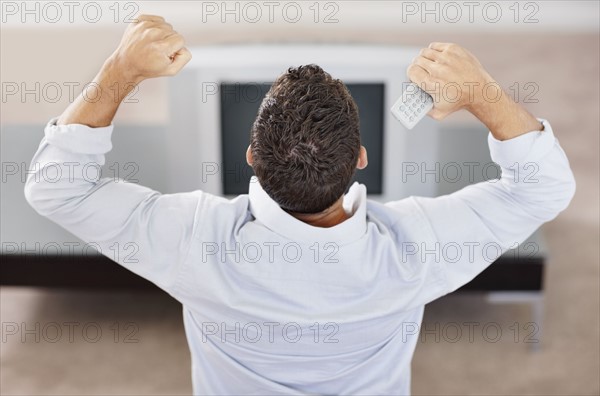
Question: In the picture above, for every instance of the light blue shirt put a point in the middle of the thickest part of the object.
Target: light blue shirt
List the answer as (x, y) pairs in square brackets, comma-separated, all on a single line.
[(273, 305)]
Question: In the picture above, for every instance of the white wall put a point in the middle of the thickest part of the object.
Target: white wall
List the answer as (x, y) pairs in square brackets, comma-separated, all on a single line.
[(548, 15)]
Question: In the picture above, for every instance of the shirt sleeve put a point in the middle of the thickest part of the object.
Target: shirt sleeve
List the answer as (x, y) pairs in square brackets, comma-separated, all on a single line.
[(472, 227), (147, 232)]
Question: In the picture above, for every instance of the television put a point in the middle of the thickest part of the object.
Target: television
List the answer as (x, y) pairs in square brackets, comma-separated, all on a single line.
[(239, 106), (215, 99)]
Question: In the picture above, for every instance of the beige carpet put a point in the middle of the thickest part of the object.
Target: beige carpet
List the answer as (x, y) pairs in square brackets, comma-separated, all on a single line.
[(566, 69)]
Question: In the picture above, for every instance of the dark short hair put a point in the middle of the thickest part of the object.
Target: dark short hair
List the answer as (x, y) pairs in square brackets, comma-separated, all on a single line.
[(305, 141)]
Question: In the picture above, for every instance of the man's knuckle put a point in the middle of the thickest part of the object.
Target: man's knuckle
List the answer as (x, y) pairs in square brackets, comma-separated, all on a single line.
[(152, 32), (454, 49), (434, 70)]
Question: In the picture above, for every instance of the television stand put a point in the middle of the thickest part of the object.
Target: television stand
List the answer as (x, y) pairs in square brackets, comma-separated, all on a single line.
[(516, 277)]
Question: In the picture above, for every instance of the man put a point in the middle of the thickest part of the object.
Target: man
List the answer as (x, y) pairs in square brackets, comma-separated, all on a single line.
[(297, 287)]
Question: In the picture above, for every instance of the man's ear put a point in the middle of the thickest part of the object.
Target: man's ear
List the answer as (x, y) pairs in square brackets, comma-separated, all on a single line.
[(363, 161), (249, 156)]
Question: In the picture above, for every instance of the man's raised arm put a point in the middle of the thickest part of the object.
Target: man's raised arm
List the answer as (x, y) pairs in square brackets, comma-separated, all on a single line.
[(485, 219), (145, 231)]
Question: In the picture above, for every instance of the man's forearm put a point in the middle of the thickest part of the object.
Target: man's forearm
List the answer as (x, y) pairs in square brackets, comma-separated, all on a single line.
[(98, 104), (504, 118)]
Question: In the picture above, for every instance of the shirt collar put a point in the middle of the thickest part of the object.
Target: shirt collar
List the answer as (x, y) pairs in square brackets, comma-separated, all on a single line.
[(270, 214)]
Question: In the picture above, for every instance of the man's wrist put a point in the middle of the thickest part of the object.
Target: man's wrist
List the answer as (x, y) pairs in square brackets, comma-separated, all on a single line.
[(485, 109), (504, 118), (115, 78)]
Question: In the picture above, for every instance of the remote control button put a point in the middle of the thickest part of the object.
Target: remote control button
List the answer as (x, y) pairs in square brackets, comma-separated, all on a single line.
[(402, 107), (411, 118)]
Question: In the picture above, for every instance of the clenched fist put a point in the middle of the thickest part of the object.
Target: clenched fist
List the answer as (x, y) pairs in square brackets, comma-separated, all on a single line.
[(453, 76), (150, 48)]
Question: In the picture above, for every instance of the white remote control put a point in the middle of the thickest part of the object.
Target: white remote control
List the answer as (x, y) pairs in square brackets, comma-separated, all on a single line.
[(412, 106)]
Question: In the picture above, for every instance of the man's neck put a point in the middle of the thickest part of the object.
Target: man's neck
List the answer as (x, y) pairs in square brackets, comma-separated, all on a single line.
[(330, 217)]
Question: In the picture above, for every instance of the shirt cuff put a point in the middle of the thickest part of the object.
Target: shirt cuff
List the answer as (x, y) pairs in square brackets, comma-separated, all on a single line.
[(78, 138), (528, 147)]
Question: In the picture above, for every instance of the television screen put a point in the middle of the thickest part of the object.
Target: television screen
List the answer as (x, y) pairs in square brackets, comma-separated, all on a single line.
[(239, 106)]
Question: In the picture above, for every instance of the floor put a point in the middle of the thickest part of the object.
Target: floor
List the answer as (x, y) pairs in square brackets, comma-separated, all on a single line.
[(133, 343)]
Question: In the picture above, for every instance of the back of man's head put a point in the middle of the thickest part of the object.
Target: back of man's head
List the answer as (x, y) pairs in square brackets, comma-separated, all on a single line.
[(305, 141)]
